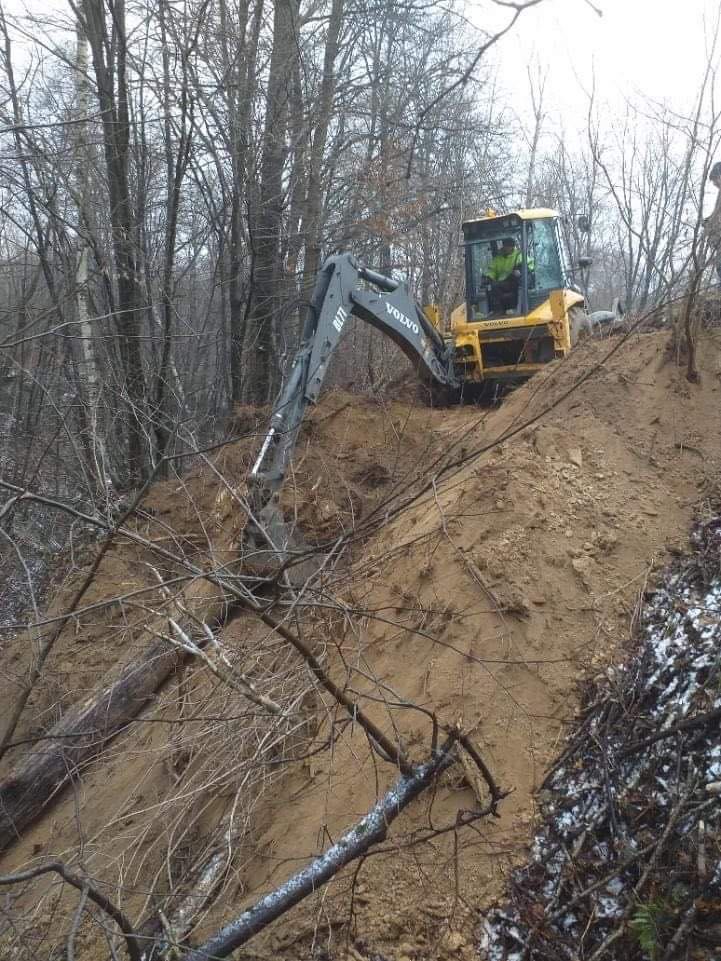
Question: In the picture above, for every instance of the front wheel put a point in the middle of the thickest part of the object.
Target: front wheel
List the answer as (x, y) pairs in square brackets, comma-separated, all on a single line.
[(480, 392), (579, 325), (434, 394)]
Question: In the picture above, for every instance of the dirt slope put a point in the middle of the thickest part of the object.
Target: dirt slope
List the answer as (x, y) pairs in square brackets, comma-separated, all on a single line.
[(517, 576), (484, 600)]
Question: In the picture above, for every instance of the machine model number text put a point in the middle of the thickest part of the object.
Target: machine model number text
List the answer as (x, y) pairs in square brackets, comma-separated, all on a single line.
[(341, 316)]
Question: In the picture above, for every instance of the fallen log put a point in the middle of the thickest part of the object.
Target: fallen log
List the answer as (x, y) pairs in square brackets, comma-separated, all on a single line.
[(80, 735), (370, 830), (86, 729), (203, 884)]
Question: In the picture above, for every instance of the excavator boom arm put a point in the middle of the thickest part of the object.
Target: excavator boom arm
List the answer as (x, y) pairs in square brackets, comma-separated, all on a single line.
[(337, 296)]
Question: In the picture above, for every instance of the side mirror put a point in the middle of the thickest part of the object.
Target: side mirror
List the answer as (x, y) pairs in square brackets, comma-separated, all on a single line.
[(584, 262), (584, 224)]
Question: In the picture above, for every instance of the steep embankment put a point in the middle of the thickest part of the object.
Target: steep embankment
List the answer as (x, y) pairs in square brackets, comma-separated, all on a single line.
[(483, 599), (491, 596)]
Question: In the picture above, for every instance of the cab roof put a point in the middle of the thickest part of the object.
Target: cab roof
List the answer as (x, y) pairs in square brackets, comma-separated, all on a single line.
[(530, 213)]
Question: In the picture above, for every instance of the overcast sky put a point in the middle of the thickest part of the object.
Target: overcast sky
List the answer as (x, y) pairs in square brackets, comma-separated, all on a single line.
[(638, 51), (650, 48)]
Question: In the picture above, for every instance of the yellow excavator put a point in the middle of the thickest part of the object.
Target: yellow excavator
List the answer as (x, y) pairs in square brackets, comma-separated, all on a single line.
[(521, 311)]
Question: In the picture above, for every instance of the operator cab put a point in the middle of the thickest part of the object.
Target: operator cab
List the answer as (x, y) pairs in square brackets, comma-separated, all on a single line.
[(513, 262)]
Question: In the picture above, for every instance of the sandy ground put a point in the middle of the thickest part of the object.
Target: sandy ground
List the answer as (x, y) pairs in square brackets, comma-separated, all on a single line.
[(485, 597)]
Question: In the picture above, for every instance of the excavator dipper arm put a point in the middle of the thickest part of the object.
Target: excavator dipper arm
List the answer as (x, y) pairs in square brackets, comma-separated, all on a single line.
[(337, 296)]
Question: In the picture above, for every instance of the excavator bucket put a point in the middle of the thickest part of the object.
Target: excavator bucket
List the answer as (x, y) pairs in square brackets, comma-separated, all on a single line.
[(275, 548)]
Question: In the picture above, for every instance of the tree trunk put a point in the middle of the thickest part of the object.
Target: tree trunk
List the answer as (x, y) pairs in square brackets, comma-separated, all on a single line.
[(38, 777), (110, 76), (260, 362), (538, 117), (176, 163), (35, 781), (313, 227), (241, 67), (89, 379), (370, 830)]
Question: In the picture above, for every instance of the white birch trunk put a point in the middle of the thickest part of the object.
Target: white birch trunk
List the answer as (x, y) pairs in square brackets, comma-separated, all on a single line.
[(89, 375)]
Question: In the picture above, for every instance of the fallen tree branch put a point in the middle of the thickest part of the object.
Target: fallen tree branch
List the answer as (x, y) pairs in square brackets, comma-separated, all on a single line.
[(370, 830), (205, 880), (682, 931), (464, 740), (70, 949), (90, 891), (688, 724)]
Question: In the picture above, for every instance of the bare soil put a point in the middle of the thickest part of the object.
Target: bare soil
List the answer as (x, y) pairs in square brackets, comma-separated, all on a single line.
[(485, 596)]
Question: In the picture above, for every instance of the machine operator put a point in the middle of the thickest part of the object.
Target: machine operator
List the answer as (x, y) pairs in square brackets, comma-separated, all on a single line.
[(504, 274)]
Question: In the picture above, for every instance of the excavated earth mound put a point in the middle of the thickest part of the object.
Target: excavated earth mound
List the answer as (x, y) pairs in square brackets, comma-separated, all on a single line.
[(496, 562)]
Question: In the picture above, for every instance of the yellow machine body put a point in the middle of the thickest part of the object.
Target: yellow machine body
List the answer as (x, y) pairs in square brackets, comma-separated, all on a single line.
[(473, 341)]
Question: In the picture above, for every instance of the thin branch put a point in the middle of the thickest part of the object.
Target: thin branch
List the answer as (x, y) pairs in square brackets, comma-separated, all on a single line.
[(468, 72), (85, 886)]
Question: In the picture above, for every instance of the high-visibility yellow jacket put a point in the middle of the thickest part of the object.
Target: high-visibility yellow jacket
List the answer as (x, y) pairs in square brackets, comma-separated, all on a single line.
[(501, 266)]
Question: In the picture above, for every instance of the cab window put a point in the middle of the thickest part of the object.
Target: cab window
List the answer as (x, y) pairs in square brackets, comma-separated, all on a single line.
[(543, 250), (479, 254)]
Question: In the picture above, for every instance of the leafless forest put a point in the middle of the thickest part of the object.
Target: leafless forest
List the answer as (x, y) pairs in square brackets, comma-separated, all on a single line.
[(173, 176)]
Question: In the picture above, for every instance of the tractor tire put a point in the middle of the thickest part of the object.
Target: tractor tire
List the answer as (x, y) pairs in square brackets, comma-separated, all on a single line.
[(438, 395), (579, 325), (482, 393)]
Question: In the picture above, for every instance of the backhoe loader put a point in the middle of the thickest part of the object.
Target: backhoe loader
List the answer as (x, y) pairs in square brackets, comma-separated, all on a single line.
[(507, 329), (504, 332)]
